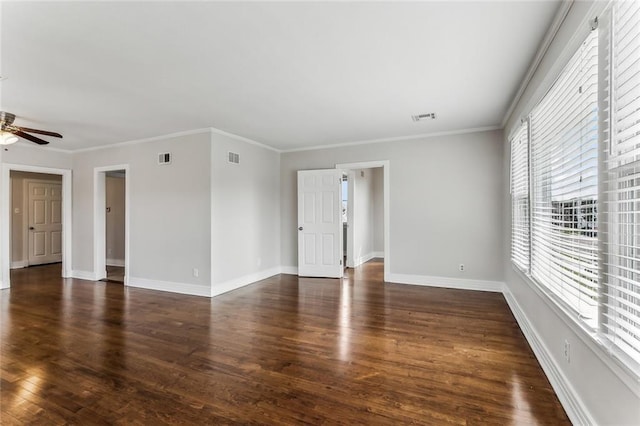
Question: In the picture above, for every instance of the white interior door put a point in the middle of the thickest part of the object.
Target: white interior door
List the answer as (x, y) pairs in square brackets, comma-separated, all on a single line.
[(45, 222), (320, 223)]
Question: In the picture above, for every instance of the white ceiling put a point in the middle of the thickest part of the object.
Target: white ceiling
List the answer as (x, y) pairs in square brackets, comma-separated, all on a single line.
[(289, 75)]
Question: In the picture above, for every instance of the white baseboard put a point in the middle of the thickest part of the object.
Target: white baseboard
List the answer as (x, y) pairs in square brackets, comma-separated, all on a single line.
[(289, 270), (575, 408), (446, 282), (220, 288), (378, 254), (84, 275), (172, 287), (362, 259), (19, 264), (115, 262), (3, 286)]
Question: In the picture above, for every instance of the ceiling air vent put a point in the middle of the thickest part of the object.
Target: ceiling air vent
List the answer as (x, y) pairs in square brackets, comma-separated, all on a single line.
[(423, 117), (234, 158), (164, 158)]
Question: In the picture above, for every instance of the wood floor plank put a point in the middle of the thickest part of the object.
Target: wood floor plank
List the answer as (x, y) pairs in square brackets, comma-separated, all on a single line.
[(286, 350)]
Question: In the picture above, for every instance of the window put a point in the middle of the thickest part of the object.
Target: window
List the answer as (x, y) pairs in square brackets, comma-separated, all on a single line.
[(520, 197), (621, 301), (564, 193), (575, 185)]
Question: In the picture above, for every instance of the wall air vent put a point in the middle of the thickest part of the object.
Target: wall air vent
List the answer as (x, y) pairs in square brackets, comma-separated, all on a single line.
[(423, 117), (233, 158), (164, 158)]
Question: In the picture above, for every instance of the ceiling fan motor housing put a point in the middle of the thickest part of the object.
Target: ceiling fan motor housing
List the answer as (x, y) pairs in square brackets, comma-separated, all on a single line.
[(6, 118)]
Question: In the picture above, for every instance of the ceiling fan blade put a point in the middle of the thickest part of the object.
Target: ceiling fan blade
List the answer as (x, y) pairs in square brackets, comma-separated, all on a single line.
[(41, 132), (30, 138)]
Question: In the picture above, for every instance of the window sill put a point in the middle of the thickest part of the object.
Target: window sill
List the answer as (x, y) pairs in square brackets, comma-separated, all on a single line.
[(613, 359)]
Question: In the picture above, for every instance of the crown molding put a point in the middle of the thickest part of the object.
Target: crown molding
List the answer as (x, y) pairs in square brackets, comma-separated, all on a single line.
[(396, 139)]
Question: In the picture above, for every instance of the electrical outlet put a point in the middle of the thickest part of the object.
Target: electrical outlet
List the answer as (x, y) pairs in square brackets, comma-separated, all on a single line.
[(461, 267), (567, 351), (196, 273)]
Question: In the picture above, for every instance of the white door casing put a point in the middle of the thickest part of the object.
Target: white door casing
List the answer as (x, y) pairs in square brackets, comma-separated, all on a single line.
[(320, 249), (44, 222)]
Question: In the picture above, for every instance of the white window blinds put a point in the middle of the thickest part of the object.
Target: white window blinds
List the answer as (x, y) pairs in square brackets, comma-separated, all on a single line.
[(520, 197), (564, 162), (621, 286)]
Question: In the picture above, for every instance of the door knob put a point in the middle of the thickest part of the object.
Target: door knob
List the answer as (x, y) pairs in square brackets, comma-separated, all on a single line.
[(300, 228)]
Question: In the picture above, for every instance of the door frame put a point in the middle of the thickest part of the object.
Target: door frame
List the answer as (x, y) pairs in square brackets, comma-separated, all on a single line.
[(100, 220), (351, 177), (25, 217), (5, 218), (385, 164)]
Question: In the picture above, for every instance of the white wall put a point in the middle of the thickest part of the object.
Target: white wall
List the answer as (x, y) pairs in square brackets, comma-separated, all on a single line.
[(245, 220), (592, 384), (170, 226), (115, 219), (433, 184), (378, 211), (29, 154)]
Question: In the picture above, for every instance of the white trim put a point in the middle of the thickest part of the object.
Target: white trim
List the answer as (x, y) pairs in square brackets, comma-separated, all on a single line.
[(5, 217), (351, 228), (363, 259), (115, 262), (386, 175), (243, 139), (172, 287), (395, 139), (18, 264), (84, 275), (211, 130), (289, 270), (212, 224), (99, 220), (558, 19), (29, 145), (576, 409), (446, 282), (378, 255), (236, 283), (587, 336), (145, 140)]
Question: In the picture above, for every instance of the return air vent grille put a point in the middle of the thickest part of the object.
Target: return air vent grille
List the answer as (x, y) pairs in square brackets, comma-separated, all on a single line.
[(423, 117), (164, 158), (234, 158)]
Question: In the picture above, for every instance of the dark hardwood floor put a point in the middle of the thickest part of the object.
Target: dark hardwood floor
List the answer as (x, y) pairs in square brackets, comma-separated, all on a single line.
[(281, 351)]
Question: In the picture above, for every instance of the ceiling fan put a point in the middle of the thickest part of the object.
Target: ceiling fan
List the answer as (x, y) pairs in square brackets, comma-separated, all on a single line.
[(9, 133)]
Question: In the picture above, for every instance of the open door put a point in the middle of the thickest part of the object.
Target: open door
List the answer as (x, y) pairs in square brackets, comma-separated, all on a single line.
[(320, 223)]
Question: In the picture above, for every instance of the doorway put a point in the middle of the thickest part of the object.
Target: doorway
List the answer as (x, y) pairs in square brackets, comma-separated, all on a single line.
[(364, 218), (50, 239), (383, 169), (36, 219), (111, 224), (115, 200)]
